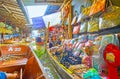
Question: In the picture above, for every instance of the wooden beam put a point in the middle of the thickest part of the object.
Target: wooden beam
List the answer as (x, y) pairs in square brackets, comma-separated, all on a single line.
[(10, 13), (65, 4), (62, 5), (6, 8), (14, 12), (14, 8), (10, 3), (18, 18), (46, 2), (10, 18), (70, 20)]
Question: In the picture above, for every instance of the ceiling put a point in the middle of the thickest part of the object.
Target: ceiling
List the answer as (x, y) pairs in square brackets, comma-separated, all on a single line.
[(12, 14), (42, 2), (53, 5)]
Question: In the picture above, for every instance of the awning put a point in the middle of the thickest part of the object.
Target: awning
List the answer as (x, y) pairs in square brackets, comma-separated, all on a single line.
[(54, 19), (38, 23)]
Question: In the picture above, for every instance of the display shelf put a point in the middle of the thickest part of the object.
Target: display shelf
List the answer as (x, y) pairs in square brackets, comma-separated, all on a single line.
[(111, 30), (76, 24)]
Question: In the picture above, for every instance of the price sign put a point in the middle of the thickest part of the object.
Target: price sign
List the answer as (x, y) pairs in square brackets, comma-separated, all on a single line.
[(110, 57)]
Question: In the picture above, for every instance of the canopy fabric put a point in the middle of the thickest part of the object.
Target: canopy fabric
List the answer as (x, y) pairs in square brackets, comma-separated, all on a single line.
[(52, 28), (52, 9), (38, 23), (54, 19)]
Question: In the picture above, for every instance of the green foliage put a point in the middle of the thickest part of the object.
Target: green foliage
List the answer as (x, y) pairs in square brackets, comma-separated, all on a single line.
[(40, 52)]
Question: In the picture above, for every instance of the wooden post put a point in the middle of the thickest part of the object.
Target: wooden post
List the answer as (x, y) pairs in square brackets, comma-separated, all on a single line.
[(47, 35), (67, 4), (69, 23)]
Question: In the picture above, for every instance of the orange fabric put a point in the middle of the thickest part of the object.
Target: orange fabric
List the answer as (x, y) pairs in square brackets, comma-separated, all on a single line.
[(51, 28), (66, 12), (54, 38), (97, 7)]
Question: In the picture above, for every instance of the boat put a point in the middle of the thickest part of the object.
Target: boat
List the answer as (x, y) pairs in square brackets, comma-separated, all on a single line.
[(21, 59), (63, 72)]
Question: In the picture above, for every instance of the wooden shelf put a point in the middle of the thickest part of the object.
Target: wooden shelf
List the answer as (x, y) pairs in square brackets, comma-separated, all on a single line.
[(111, 30)]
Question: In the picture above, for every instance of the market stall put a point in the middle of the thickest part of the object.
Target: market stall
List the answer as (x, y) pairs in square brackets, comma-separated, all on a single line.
[(90, 55)]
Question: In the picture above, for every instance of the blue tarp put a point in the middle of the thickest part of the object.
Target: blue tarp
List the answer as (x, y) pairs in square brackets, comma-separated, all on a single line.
[(14, 35), (38, 23), (52, 9)]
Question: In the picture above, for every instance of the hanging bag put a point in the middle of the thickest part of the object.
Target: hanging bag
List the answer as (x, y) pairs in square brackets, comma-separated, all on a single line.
[(76, 29), (93, 25), (111, 17), (84, 27), (97, 6)]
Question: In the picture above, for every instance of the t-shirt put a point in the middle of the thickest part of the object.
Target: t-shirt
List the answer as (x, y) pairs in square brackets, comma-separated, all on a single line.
[(50, 44), (3, 75), (38, 39)]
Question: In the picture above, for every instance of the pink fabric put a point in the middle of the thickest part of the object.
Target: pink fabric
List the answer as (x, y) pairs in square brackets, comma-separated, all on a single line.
[(89, 43), (88, 61), (105, 77), (74, 44)]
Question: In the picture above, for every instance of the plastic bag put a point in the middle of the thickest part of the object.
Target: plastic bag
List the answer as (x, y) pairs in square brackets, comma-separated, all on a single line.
[(76, 29), (106, 39), (97, 7), (84, 38), (97, 43), (74, 20), (110, 18), (84, 27), (93, 25), (85, 13)]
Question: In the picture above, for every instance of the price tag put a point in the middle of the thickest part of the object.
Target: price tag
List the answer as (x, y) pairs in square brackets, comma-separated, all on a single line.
[(110, 57)]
